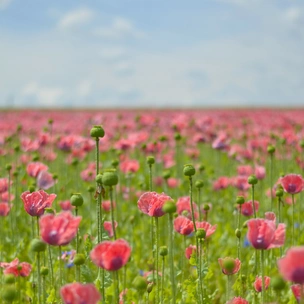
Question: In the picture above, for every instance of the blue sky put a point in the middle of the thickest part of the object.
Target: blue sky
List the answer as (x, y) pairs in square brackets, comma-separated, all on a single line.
[(142, 53)]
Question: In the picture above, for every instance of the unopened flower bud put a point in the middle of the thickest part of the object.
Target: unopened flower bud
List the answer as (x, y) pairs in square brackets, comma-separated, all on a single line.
[(199, 184), (177, 136), (149, 287), (166, 174), (240, 200), (97, 132), (37, 245), (140, 283), (238, 233), (201, 233), (270, 149), (189, 170), (150, 160), (76, 200), (79, 259), (279, 193), (206, 207), (8, 167), (44, 271), (163, 251)]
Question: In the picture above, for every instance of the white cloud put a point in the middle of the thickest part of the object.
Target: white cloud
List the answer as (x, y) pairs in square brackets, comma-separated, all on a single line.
[(46, 96), (84, 88), (119, 28), (4, 4), (293, 14), (75, 18)]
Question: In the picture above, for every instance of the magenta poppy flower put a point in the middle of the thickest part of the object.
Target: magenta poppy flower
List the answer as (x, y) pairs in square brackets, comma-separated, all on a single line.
[(236, 265), (129, 166), (258, 283), (151, 203), (291, 266), (111, 255), (209, 229), (262, 234), (296, 290), (17, 269), (36, 202), (292, 183), (59, 230), (183, 225), (76, 293), (183, 204), (34, 168), (3, 185), (4, 209)]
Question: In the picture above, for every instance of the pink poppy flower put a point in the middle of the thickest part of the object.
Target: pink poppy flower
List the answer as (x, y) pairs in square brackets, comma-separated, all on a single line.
[(296, 290), (108, 227), (235, 269), (262, 234), (151, 203), (17, 269), (77, 293), (111, 255), (129, 166), (221, 183), (45, 180), (258, 283), (59, 230), (3, 185), (291, 266), (183, 204), (4, 209), (183, 225), (5, 197), (244, 170), (209, 229), (66, 205), (237, 300), (34, 168), (189, 251), (241, 183), (292, 183), (247, 208), (106, 206), (172, 182), (260, 172), (36, 202)]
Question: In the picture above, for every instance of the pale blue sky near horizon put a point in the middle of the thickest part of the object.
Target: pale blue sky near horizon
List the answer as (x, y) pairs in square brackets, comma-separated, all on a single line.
[(151, 53)]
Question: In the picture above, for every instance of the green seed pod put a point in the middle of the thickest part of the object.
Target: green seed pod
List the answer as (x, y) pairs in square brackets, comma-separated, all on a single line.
[(201, 233), (32, 188), (279, 193), (35, 158), (252, 180), (75, 162), (8, 167), (169, 207), (50, 121), (15, 173), (44, 271), (229, 265), (206, 207), (240, 200), (149, 287), (201, 168), (97, 132), (271, 149), (17, 148), (90, 189), (199, 184), (150, 160), (177, 137), (302, 143), (55, 176), (9, 293), (277, 283), (238, 233), (115, 163), (79, 259), (189, 170), (245, 225), (110, 179), (98, 178), (243, 278), (37, 245), (166, 174), (163, 251), (76, 200), (139, 283), (9, 279)]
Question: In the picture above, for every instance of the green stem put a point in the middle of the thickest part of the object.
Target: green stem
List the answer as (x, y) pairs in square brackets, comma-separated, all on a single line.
[(252, 197), (271, 178), (200, 279), (191, 202), (263, 279), (199, 203), (112, 211), (171, 257), (77, 250), (116, 286), (39, 277), (150, 178), (156, 255), (228, 288), (60, 266), (50, 263), (37, 222), (292, 221), (162, 281)]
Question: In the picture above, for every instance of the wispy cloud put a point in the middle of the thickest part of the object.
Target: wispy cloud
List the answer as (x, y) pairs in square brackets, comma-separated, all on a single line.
[(75, 18), (4, 4), (119, 28)]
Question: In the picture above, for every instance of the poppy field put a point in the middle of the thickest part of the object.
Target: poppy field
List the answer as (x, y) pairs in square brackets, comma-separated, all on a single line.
[(152, 206)]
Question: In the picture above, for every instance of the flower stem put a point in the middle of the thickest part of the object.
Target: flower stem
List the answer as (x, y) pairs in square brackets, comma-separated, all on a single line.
[(77, 250), (156, 260), (150, 177), (39, 277), (252, 197), (162, 281), (60, 266), (263, 279), (171, 257), (50, 263), (112, 211), (292, 220), (271, 178)]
